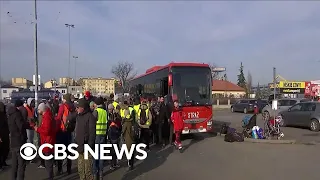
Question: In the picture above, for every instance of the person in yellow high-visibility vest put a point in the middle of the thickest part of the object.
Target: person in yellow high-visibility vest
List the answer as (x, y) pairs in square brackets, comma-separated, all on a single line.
[(115, 102), (144, 119), (101, 132), (127, 114)]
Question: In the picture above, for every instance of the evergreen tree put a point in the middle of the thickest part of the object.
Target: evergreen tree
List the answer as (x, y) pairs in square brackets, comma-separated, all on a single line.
[(241, 78)]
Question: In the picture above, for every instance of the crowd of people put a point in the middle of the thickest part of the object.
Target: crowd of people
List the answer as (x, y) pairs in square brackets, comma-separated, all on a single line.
[(91, 120)]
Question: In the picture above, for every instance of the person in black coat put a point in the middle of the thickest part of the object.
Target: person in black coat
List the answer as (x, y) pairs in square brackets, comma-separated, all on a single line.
[(17, 127), (4, 136)]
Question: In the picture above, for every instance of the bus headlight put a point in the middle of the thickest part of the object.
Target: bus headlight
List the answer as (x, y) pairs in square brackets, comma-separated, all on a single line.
[(209, 123)]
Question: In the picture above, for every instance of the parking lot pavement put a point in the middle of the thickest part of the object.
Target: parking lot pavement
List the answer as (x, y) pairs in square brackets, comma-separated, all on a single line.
[(211, 158), (302, 135)]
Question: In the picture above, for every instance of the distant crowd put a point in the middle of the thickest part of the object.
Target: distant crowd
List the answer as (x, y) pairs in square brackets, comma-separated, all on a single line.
[(91, 120)]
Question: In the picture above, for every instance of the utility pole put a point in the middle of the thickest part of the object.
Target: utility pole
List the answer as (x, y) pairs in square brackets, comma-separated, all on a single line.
[(75, 67), (69, 26), (36, 53)]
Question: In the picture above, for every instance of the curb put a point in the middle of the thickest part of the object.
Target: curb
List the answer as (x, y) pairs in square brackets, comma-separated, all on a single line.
[(267, 141)]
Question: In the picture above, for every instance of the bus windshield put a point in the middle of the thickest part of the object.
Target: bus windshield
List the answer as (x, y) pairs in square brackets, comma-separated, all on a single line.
[(192, 85)]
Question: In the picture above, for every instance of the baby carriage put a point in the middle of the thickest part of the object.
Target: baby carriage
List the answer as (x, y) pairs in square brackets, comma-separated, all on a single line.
[(248, 122), (272, 128)]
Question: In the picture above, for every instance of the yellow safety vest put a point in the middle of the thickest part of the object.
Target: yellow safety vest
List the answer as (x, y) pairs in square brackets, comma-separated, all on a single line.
[(136, 108), (101, 124), (147, 113), (115, 104), (122, 113)]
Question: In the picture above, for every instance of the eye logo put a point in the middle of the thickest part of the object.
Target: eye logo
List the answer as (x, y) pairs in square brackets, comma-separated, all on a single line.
[(28, 151)]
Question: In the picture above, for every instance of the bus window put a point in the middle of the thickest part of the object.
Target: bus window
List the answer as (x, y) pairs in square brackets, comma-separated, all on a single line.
[(192, 85)]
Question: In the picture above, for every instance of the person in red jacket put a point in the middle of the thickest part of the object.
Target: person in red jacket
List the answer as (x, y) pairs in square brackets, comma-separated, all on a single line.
[(47, 132), (176, 118)]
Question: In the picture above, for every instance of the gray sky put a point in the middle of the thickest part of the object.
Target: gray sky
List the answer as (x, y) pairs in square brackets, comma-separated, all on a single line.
[(260, 34)]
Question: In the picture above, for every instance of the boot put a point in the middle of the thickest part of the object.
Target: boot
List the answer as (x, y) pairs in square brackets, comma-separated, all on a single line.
[(100, 175)]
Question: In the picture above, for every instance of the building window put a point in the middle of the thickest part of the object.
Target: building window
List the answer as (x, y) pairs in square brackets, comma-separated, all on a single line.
[(4, 91), (63, 91)]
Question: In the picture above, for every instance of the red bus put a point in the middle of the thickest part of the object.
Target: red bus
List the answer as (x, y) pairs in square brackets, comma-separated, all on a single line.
[(189, 83)]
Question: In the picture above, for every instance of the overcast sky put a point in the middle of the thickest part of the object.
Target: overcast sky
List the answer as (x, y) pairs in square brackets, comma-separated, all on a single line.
[(259, 34)]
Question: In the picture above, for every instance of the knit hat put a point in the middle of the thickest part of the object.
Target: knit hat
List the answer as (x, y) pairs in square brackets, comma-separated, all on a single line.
[(110, 106), (18, 103), (98, 101), (87, 94), (29, 101), (83, 103), (67, 97), (42, 107)]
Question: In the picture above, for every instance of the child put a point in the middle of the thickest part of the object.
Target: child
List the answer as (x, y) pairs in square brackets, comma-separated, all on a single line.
[(114, 133), (176, 118)]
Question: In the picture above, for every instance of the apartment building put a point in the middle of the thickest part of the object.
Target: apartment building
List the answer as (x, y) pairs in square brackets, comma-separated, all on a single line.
[(98, 85), (64, 81), (21, 82)]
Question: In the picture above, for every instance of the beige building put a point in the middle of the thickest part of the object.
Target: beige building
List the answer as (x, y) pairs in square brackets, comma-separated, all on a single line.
[(21, 82), (48, 85), (98, 85), (64, 81)]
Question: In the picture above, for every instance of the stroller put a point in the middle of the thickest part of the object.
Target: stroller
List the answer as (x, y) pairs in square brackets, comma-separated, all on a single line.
[(272, 128), (248, 122)]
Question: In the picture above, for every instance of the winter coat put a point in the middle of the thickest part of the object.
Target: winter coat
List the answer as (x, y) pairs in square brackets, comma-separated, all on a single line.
[(177, 120), (59, 117), (4, 128), (127, 130), (17, 127), (47, 130), (85, 130)]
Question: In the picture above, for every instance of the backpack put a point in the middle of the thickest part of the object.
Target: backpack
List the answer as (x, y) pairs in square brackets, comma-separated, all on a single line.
[(135, 130), (143, 116), (234, 137), (224, 129)]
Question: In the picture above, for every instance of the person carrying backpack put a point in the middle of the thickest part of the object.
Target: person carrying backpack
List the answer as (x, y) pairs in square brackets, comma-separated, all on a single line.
[(64, 128), (101, 116), (144, 119), (129, 130)]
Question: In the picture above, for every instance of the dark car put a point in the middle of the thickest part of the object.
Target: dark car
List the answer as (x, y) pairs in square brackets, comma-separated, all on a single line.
[(247, 105), (304, 114)]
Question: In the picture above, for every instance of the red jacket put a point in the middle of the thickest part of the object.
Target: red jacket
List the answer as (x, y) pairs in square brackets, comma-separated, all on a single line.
[(47, 130), (177, 120)]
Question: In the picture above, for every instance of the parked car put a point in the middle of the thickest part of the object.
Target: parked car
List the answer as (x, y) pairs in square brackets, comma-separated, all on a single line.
[(305, 114), (283, 105), (247, 105)]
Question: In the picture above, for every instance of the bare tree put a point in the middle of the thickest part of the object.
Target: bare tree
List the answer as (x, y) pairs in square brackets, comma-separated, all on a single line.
[(249, 83), (124, 71), (215, 75)]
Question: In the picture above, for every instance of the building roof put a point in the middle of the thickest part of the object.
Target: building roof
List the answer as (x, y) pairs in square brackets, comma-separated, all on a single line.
[(221, 85), (9, 86)]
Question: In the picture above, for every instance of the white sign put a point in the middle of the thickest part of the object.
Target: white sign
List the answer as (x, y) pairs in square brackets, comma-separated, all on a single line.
[(274, 104), (28, 151), (34, 80), (218, 69)]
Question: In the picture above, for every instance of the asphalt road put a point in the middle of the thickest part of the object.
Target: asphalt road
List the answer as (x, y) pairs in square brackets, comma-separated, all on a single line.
[(209, 157)]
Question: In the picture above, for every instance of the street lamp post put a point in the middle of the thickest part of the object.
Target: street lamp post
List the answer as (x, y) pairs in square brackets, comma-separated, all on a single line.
[(69, 26), (36, 53), (75, 67)]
